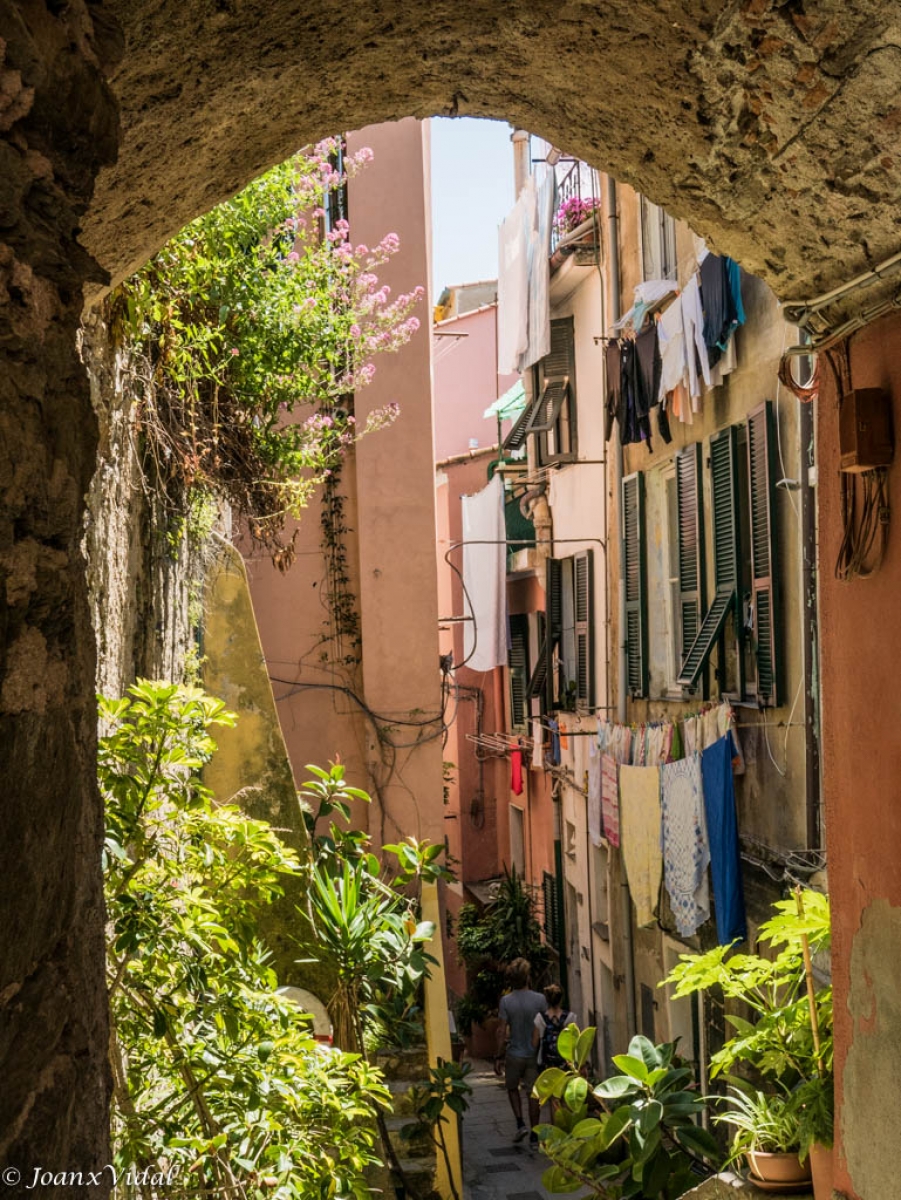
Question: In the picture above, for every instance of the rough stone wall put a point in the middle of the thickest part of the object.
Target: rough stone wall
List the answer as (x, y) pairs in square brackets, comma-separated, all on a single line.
[(770, 125), (144, 571), (58, 123)]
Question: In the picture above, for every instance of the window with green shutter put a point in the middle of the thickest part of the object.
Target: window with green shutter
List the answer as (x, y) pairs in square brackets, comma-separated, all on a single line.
[(568, 673), (554, 419), (763, 619), (690, 535), (635, 578), (518, 664), (583, 605), (724, 495)]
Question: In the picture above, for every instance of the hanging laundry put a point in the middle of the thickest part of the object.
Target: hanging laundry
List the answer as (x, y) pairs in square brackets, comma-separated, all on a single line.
[(718, 302), (516, 772), (537, 744), (514, 240), (485, 577), (733, 271), (648, 368), (695, 346), (555, 742), (595, 829), (564, 740), (686, 852), (639, 817), (613, 402), (722, 832), (728, 724), (610, 798), (636, 425), (671, 341)]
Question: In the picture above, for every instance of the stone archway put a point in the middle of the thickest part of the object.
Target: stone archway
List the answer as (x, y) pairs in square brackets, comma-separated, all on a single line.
[(770, 124)]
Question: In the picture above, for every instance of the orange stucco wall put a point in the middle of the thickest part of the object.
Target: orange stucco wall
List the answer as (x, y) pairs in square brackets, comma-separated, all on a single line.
[(861, 704)]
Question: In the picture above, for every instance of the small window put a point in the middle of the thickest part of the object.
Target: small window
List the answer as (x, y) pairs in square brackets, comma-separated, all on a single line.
[(517, 841), (569, 645), (554, 419), (658, 242)]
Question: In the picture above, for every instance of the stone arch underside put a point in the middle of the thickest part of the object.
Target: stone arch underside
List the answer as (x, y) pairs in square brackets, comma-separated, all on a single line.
[(772, 127)]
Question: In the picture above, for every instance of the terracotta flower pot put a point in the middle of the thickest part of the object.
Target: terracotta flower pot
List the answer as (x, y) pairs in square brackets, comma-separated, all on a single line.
[(821, 1170), (778, 1168)]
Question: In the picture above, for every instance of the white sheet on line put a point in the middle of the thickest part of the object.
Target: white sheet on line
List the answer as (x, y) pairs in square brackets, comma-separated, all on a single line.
[(485, 577)]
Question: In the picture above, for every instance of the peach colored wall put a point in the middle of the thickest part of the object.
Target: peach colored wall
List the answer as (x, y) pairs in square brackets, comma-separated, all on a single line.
[(860, 638), (389, 485), (466, 381)]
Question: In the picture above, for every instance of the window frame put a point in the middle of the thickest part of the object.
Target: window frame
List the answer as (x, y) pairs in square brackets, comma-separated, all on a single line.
[(657, 230), (569, 592), (554, 384)]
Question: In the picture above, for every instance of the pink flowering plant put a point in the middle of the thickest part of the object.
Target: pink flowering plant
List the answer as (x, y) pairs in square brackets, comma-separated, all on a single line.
[(251, 331), (573, 212)]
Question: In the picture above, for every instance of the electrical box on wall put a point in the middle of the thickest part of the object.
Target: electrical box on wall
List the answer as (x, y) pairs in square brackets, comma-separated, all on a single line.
[(865, 430)]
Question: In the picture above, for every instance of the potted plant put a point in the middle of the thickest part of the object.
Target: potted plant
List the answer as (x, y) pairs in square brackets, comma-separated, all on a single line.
[(767, 1134), (788, 1040)]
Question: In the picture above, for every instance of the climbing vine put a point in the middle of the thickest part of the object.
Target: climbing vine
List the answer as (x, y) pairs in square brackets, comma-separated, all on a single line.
[(251, 331)]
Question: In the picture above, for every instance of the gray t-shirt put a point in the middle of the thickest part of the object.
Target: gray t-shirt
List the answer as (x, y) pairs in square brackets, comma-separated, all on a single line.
[(519, 1010)]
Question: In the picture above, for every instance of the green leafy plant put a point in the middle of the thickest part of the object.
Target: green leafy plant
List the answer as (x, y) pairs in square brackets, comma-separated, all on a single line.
[(789, 1038), (447, 1092), (491, 937), (213, 1072), (249, 334), (765, 1121), (633, 1135)]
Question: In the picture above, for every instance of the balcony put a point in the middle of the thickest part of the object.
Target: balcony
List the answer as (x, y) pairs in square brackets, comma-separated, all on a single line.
[(576, 231)]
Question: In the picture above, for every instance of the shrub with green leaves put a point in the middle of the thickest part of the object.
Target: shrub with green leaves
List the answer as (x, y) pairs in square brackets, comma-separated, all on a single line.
[(214, 1073), (250, 332), (632, 1136)]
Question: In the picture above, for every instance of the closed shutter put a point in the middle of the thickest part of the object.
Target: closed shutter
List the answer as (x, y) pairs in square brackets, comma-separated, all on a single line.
[(636, 631), (555, 385), (518, 661), (549, 896), (583, 604), (538, 679), (764, 562), (691, 544), (553, 605), (724, 488)]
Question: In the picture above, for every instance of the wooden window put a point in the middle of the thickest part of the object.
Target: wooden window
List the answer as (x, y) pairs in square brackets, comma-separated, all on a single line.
[(658, 241), (569, 643), (690, 538), (763, 619), (554, 419), (724, 492), (634, 573), (518, 671), (551, 908)]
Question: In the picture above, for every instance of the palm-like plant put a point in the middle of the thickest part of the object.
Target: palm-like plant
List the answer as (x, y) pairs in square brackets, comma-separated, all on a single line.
[(765, 1121)]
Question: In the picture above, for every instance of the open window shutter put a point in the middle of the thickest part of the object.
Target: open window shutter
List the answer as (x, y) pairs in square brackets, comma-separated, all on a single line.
[(553, 603), (764, 564), (555, 379), (724, 484), (583, 582), (518, 661), (636, 631), (691, 543), (520, 431), (538, 678)]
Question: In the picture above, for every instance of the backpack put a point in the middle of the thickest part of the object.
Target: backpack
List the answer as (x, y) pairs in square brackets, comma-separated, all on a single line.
[(553, 1027)]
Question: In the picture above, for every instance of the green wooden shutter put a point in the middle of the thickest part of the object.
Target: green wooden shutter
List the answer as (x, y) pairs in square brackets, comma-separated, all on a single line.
[(724, 490), (764, 561), (634, 573), (538, 679), (553, 605), (691, 543), (518, 662), (520, 431), (555, 384), (583, 604)]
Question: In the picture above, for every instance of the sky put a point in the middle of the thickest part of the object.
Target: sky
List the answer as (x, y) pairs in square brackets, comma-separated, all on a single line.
[(472, 192)]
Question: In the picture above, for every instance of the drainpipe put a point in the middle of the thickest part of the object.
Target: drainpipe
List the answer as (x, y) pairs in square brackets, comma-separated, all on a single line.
[(625, 895), (811, 631), (522, 164)]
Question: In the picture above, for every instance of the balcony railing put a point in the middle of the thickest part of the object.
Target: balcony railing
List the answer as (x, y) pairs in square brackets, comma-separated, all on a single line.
[(574, 216)]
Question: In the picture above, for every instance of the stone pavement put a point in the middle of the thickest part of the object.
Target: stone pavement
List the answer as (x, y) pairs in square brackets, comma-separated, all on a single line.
[(494, 1168)]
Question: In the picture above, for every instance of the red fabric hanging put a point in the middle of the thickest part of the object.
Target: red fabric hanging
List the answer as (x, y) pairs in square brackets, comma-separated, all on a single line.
[(516, 772)]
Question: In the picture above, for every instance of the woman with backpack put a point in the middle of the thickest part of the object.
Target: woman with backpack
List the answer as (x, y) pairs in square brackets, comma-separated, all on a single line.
[(548, 1027)]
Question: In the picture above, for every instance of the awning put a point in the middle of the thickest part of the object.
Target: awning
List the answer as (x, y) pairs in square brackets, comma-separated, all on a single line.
[(510, 405)]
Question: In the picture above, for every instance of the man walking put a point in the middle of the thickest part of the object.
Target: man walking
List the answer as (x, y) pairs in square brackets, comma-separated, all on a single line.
[(517, 1012)]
